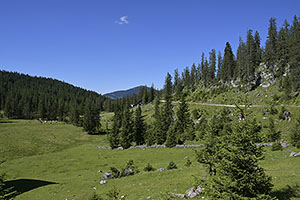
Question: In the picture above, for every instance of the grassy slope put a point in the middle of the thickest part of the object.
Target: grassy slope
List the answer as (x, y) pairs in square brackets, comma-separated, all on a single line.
[(73, 163)]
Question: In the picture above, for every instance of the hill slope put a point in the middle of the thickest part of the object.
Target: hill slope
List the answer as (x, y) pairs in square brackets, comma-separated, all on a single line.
[(123, 93)]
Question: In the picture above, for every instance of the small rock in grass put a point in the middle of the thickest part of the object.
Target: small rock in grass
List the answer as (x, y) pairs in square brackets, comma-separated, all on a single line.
[(292, 154), (102, 182), (193, 192)]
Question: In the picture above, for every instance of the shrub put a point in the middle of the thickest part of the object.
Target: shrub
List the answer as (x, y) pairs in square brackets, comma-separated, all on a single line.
[(149, 168), (95, 197), (172, 165), (276, 146), (130, 165), (115, 172), (188, 163)]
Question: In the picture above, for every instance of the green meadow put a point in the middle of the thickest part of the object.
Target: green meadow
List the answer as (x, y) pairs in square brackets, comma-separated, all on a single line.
[(60, 161)]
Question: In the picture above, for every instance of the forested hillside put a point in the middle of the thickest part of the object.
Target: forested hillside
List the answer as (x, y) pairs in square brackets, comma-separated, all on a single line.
[(27, 97)]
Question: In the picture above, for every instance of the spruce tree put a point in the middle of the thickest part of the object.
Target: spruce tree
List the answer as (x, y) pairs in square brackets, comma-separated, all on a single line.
[(193, 76), (212, 65), (250, 57), (183, 121), (74, 115), (258, 50), (139, 127), (294, 54), (240, 70), (126, 135), (157, 123), (228, 64), (91, 119), (283, 49), (167, 110), (220, 62), (270, 55), (114, 135), (151, 93), (236, 173), (177, 88)]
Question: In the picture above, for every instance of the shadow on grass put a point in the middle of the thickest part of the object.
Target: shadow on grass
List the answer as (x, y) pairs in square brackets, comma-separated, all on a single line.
[(6, 122), (287, 192), (20, 186), (98, 133)]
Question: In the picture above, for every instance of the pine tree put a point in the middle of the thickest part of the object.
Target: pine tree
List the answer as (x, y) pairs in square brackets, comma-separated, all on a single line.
[(126, 135), (294, 54), (250, 57), (228, 64), (220, 62), (183, 121), (74, 115), (114, 135), (236, 173), (193, 76), (177, 89), (186, 78), (258, 53), (167, 110), (240, 70), (91, 119), (157, 123), (212, 65), (295, 134), (270, 55), (139, 127), (151, 93), (283, 49)]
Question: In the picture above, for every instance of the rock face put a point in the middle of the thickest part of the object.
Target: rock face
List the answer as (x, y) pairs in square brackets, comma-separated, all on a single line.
[(107, 175), (193, 192)]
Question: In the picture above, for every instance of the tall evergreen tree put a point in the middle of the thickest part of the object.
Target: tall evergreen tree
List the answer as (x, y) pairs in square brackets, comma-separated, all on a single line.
[(258, 54), (283, 49), (193, 76), (186, 78), (139, 127), (114, 135), (270, 55), (212, 65), (91, 119), (228, 64), (151, 93), (177, 86), (250, 57), (294, 54), (240, 70), (220, 62), (126, 135), (167, 110)]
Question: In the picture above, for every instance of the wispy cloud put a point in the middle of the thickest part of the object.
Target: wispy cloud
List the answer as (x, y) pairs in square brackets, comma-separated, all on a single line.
[(123, 20)]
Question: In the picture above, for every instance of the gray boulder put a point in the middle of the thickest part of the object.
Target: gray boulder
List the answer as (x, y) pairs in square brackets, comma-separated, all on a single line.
[(193, 192), (127, 172), (297, 154), (161, 169), (102, 182), (107, 175), (292, 154)]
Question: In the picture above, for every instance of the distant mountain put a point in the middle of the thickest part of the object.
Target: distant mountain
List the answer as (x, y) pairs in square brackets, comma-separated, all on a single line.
[(123, 93)]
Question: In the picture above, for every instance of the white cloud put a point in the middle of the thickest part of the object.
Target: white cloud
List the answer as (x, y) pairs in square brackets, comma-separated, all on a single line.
[(123, 20)]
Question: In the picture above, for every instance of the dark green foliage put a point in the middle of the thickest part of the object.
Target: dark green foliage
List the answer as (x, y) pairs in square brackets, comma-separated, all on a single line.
[(228, 64), (250, 57), (212, 65), (270, 55), (240, 70), (95, 196), (294, 54), (178, 85), (115, 172), (149, 168), (236, 173), (139, 127), (114, 137), (171, 165), (166, 115), (26, 97), (220, 63), (276, 146), (130, 165), (126, 135), (74, 115), (272, 134), (295, 134), (113, 194), (283, 49), (171, 137), (91, 119)]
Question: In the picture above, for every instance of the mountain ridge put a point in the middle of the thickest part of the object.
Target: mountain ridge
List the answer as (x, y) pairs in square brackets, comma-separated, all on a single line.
[(123, 93)]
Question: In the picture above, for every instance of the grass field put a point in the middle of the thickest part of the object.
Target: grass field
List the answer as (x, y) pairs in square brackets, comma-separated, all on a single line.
[(60, 161)]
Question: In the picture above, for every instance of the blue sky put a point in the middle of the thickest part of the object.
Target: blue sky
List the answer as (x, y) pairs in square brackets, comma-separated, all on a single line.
[(87, 42)]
